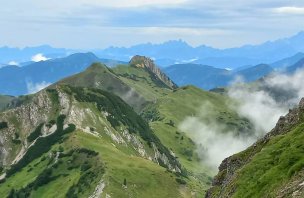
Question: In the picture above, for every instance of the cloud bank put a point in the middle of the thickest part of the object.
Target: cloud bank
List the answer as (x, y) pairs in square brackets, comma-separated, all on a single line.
[(262, 104), (212, 138)]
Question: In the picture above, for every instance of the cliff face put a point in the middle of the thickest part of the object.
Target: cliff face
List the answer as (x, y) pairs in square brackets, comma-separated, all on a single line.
[(272, 167), (147, 63)]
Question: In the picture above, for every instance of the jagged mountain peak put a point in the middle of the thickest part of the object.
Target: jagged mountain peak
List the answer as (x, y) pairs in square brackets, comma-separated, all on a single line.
[(147, 63), (142, 61)]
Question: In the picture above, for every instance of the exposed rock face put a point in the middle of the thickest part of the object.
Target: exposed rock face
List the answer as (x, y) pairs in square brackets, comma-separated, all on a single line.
[(21, 121), (222, 183), (162, 158), (147, 63)]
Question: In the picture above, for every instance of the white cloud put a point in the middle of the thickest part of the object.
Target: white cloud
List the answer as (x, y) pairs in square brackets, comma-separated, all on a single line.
[(13, 63), (263, 105), (290, 10), (35, 87), (258, 106), (293, 83), (39, 57)]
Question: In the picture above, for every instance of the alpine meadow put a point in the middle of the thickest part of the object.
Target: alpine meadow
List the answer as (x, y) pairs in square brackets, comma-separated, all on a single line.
[(152, 99)]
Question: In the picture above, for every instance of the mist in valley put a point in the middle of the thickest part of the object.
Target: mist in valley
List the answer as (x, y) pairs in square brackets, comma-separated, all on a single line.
[(262, 103)]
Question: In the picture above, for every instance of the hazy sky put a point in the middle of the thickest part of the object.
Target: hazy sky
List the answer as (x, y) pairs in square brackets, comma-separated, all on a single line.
[(101, 23)]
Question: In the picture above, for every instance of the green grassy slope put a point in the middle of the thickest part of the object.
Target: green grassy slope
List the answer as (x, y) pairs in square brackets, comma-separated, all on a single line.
[(280, 160), (143, 177), (272, 167)]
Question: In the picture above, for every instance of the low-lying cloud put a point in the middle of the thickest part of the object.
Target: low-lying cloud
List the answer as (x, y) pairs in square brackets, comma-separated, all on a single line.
[(258, 106), (14, 63), (212, 138), (39, 57), (261, 103), (35, 87)]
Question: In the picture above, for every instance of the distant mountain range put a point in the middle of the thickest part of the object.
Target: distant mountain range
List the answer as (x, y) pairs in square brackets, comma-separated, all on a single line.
[(179, 52), (16, 80), (173, 52), (207, 77), (288, 61), (33, 76)]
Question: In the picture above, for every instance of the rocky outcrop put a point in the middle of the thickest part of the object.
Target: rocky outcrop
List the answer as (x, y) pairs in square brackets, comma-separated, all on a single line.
[(147, 63), (161, 158), (285, 123)]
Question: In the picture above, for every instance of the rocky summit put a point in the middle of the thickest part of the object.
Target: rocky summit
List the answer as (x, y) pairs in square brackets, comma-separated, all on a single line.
[(147, 63)]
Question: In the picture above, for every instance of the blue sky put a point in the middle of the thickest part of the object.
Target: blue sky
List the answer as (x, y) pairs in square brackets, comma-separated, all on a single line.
[(101, 23)]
